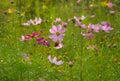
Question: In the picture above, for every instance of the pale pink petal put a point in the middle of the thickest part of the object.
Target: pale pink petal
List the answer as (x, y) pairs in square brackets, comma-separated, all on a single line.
[(54, 60), (59, 62), (83, 17), (63, 30), (22, 38), (50, 59), (26, 24), (31, 22), (59, 28)]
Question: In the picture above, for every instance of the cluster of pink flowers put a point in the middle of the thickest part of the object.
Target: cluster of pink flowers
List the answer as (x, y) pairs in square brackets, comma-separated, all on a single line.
[(41, 40), (94, 28), (36, 21), (29, 36), (57, 33), (59, 21), (78, 21)]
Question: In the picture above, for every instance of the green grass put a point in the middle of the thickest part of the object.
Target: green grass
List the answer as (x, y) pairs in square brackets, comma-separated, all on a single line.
[(88, 65)]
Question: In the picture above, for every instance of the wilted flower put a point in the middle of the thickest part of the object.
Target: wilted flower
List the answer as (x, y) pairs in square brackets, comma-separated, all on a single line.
[(54, 60), (58, 45), (43, 42)]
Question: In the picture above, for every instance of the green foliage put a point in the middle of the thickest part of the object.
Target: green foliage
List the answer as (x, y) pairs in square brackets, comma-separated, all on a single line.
[(88, 65)]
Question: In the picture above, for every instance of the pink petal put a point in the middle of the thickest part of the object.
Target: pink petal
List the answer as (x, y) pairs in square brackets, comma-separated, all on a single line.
[(54, 60), (59, 28), (22, 38), (49, 58), (59, 62)]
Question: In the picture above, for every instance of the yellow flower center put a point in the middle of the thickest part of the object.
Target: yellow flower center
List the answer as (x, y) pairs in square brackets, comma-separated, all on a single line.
[(57, 33)]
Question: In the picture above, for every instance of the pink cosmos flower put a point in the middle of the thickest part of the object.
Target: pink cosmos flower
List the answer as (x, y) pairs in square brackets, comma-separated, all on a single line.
[(95, 27), (110, 4), (26, 24), (70, 63), (83, 26), (37, 21), (78, 1), (54, 60), (22, 38), (57, 20), (112, 11), (31, 22), (106, 27), (64, 24), (57, 33)]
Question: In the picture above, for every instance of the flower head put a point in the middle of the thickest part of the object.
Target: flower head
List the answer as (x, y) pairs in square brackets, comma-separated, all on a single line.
[(64, 24), (54, 60), (106, 27), (110, 4), (57, 33), (43, 42), (58, 45)]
